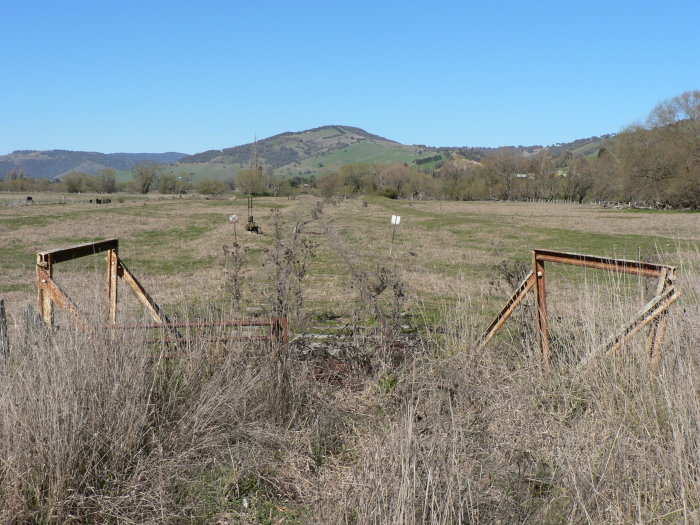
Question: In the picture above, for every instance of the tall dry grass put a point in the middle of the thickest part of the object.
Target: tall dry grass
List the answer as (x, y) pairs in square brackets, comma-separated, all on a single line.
[(492, 438), (108, 428), (104, 427)]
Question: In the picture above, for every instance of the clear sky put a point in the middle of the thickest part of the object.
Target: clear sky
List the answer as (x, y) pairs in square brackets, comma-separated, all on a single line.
[(148, 76)]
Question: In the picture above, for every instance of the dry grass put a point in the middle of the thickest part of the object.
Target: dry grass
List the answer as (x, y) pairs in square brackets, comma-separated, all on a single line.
[(111, 429)]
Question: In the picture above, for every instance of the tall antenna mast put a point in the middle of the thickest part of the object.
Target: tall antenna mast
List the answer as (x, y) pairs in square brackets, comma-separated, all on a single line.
[(254, 161)]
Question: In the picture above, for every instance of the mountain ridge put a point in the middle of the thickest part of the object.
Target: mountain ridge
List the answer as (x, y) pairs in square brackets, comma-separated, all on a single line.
[(310, 152), (46, 164)]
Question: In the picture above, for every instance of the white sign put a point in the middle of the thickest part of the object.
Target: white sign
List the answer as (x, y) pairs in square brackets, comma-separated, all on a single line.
[(395, 219), (233, 219)]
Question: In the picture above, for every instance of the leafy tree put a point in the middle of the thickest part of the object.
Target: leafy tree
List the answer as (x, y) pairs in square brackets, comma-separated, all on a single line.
[(358, 177)]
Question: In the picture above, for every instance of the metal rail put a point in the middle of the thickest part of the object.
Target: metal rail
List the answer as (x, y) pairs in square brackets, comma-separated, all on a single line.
[(654, 313), (50, 294)]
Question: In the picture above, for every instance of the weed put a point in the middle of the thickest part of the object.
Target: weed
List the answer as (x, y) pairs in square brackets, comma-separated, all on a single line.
[(233, 275)]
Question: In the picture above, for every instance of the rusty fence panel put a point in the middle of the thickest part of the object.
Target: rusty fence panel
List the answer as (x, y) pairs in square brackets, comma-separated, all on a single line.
[(50, 294), (654, 314)]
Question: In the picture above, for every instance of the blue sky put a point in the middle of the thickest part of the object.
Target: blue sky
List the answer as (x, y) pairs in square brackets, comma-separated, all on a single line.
[(191, 76)]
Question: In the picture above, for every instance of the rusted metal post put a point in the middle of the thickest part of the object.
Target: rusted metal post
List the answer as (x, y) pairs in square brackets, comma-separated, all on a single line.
[(541, 302), (112, 281), (657, 330), (4, 336), (44, 269), (280, 333)]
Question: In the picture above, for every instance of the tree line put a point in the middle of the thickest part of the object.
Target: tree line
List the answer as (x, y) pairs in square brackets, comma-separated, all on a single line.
[(145, 177), (656, 163)]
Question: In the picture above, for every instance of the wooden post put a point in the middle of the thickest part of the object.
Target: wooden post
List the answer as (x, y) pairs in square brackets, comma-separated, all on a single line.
[(541, 301)]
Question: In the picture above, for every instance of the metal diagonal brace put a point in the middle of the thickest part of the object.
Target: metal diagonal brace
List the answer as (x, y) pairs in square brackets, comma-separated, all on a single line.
[(648, 313), (156, 311), (517, 297), (49, 290)]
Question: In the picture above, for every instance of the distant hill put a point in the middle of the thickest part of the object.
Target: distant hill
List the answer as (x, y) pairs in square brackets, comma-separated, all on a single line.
[(575, 148), (54, 163), (319, 150), (313, 151)]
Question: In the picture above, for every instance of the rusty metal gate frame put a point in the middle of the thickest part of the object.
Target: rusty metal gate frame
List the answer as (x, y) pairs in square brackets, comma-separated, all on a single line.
[(654, 313), (50, 294)]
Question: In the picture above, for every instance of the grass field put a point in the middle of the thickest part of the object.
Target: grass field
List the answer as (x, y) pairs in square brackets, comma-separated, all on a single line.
[(353, 423), (444, 251)]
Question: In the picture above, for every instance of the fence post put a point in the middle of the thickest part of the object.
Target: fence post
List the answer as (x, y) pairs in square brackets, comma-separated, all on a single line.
[(4, 337), (541, 312)]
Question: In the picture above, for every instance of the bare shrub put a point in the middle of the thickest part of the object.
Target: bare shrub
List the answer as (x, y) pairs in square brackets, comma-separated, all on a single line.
[(289, 259)]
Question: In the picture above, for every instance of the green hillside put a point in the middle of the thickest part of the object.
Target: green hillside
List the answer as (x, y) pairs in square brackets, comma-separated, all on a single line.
[(361, 152), (311, 152)]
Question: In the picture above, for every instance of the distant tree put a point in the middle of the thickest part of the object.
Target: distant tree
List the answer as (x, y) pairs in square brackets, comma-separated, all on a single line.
[(356, 177), (284, 188), (167, 183), (145, 175), (250, 182), (90, 183), (74, 181), (211, 187), (43, 185), (684, 107), (396, 178), (502, 168), (330, 184), (106, 181), (453, 177)]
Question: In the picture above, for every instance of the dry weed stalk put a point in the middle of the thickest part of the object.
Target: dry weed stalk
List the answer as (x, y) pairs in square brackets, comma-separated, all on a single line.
[(234, 275)]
